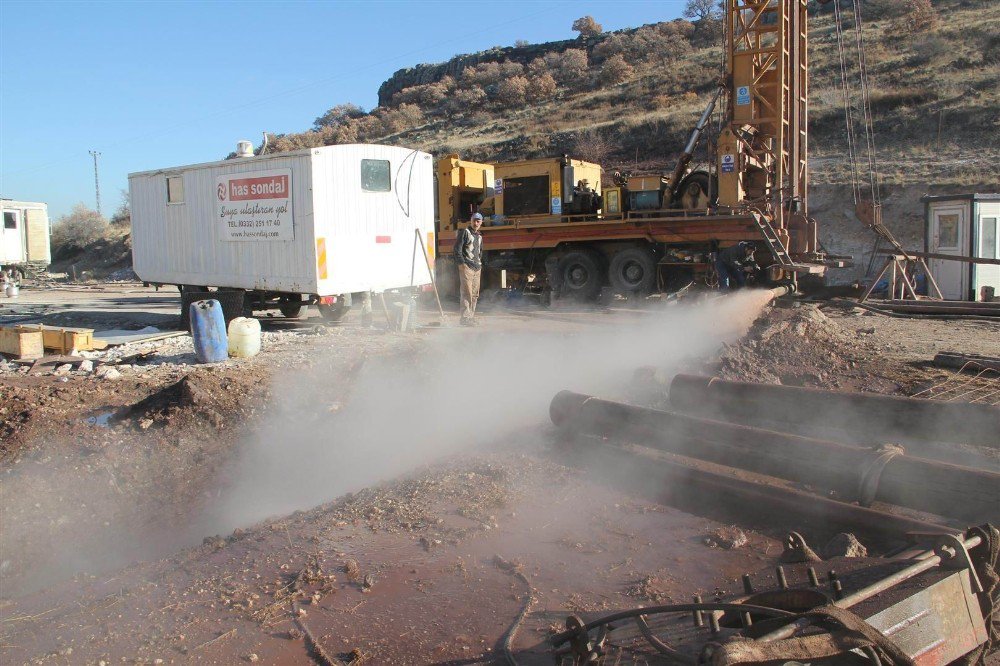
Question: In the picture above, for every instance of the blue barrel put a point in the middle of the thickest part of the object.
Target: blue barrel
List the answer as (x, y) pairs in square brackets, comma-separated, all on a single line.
[(208, 329)]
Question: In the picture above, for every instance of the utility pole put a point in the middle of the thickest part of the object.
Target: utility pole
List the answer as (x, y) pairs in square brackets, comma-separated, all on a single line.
[(97, 183)]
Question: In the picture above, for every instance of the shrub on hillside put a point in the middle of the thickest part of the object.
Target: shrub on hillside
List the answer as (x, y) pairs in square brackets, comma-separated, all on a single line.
[(615, 70), (542, 87), (592, 146), (79, 228), (338, 115), (122, 216), (512, 92), (465, 100), (917, 16)]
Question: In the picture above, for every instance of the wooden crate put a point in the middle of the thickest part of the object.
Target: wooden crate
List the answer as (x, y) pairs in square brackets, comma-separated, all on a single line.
[(64, 340), (21, 343)]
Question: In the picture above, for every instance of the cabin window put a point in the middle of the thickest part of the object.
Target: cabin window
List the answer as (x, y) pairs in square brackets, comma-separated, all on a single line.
[(375, 176), (175, 189), (9, 220), (948, 231), (989, 242)]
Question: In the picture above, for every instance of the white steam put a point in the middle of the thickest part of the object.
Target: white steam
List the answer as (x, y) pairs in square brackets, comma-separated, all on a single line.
[(463, 390)]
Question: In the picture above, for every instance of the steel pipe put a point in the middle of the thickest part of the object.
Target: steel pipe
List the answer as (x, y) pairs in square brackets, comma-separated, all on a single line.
[(970, 495), (867, 417), (726, 497)]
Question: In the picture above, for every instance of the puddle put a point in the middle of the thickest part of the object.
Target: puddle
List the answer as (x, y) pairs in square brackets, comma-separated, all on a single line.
[(100, 419)]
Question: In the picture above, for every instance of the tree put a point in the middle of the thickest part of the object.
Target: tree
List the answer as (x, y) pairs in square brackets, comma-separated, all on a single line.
[(702, 10), (81, 227), (338, 115), (615, 70), (591, 146), (587, 27), (123, 215)]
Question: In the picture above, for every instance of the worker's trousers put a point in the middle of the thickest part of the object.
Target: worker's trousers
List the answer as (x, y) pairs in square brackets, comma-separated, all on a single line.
[(729, 277), (469, 282)]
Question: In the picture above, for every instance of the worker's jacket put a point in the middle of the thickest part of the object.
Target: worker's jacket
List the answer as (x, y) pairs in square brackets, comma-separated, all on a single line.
[(735, 256), (469, 248)]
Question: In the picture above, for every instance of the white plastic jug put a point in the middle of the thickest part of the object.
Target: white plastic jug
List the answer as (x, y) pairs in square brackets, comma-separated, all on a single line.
[(244, 337), (11, 290)]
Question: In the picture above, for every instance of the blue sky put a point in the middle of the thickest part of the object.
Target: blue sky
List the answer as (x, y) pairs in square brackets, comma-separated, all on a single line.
[(157, 84)]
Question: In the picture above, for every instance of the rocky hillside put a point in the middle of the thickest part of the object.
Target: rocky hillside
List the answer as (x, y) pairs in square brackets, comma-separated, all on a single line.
[(629, 98)]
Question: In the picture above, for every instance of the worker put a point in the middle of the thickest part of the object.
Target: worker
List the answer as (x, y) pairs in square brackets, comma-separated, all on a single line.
[(469, 259), (733, 263)]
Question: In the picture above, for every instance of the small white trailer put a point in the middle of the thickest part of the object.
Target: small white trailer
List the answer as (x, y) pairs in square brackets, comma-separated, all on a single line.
[(963, 226), (24, 237), (287, 230)]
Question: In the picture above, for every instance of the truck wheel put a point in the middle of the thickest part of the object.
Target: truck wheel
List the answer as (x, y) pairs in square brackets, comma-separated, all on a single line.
[(633, 272), (289, 309), (580, 275), (334, 312)]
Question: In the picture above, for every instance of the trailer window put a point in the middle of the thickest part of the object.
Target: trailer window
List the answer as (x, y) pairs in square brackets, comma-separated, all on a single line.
[(9, 220), (175, 189), (375, 176)]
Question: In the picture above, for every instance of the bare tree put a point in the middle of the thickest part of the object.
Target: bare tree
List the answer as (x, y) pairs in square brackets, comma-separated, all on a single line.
[(587, 27), (700, 10)]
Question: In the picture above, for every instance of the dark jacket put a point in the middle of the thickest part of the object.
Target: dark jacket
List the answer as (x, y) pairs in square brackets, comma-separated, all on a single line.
[(735, 256), (469, 248)]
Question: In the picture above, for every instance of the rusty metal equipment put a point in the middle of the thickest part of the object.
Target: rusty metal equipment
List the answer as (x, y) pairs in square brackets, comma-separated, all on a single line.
[(931, 609), (871, 418), (855, 473)]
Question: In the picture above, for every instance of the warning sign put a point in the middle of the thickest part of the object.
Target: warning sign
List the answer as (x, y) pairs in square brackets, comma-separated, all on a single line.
[(557, 205), (255, 206), (743, 95), (728, 163), (498, 186)]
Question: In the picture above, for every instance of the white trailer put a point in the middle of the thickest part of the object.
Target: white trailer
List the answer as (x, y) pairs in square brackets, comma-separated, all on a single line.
[(24, 237), (290, 229)]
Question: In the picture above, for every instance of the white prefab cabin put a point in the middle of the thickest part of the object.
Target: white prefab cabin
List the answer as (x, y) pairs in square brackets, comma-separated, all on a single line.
[(964, 225), (321, 221), (24, 237)]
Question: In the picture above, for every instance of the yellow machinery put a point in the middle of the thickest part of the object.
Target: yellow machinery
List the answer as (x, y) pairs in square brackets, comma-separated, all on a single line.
[(462, 187), (557, 188)]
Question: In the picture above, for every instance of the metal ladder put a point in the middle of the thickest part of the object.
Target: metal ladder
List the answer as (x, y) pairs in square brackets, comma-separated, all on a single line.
[(778, 248)]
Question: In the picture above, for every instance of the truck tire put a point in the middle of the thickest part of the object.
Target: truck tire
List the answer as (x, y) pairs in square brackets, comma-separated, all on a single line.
[(290, 309), (334, 312), (579, 274), (633, 272)]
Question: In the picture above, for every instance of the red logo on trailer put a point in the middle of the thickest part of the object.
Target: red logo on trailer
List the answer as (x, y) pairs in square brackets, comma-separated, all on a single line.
[(267, 187), (221, 190), (383, 239)]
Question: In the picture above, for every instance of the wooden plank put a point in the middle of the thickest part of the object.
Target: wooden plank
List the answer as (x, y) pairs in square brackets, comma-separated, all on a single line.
[(20, 343)]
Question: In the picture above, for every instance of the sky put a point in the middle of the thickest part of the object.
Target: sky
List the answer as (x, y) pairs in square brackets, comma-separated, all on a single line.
[(159, 84)]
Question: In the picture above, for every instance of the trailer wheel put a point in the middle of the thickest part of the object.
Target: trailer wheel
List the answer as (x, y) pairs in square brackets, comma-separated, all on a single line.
[(334, 312), (579, 274), (633, 272), (289, 309)]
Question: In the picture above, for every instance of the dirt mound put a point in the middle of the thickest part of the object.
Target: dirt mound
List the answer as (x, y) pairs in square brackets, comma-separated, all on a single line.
[(804, 347), (100, 258), (200, 395)]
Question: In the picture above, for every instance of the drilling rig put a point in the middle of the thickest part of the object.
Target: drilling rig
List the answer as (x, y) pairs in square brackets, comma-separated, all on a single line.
[(652, 229)]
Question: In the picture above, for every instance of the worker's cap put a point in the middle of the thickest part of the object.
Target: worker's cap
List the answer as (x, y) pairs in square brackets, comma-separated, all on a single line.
[(477, 216)]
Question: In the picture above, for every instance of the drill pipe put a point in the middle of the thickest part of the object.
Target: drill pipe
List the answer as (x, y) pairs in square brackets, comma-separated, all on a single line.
[(727, 498), (865, 416), (971, 495)]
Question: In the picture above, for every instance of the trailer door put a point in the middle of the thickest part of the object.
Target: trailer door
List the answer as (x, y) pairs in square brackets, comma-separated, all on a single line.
[(12, 240), (950, 235), (988, 248)]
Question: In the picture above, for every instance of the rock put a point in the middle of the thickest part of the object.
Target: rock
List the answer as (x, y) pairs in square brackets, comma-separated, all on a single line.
[(63, 369), (253, 658), (728, 538), (87, 366), (844, 544), (105, 372), (145, 423)]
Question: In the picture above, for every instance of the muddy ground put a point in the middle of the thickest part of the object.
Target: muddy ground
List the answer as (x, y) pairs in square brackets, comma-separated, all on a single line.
[(370, 495)]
